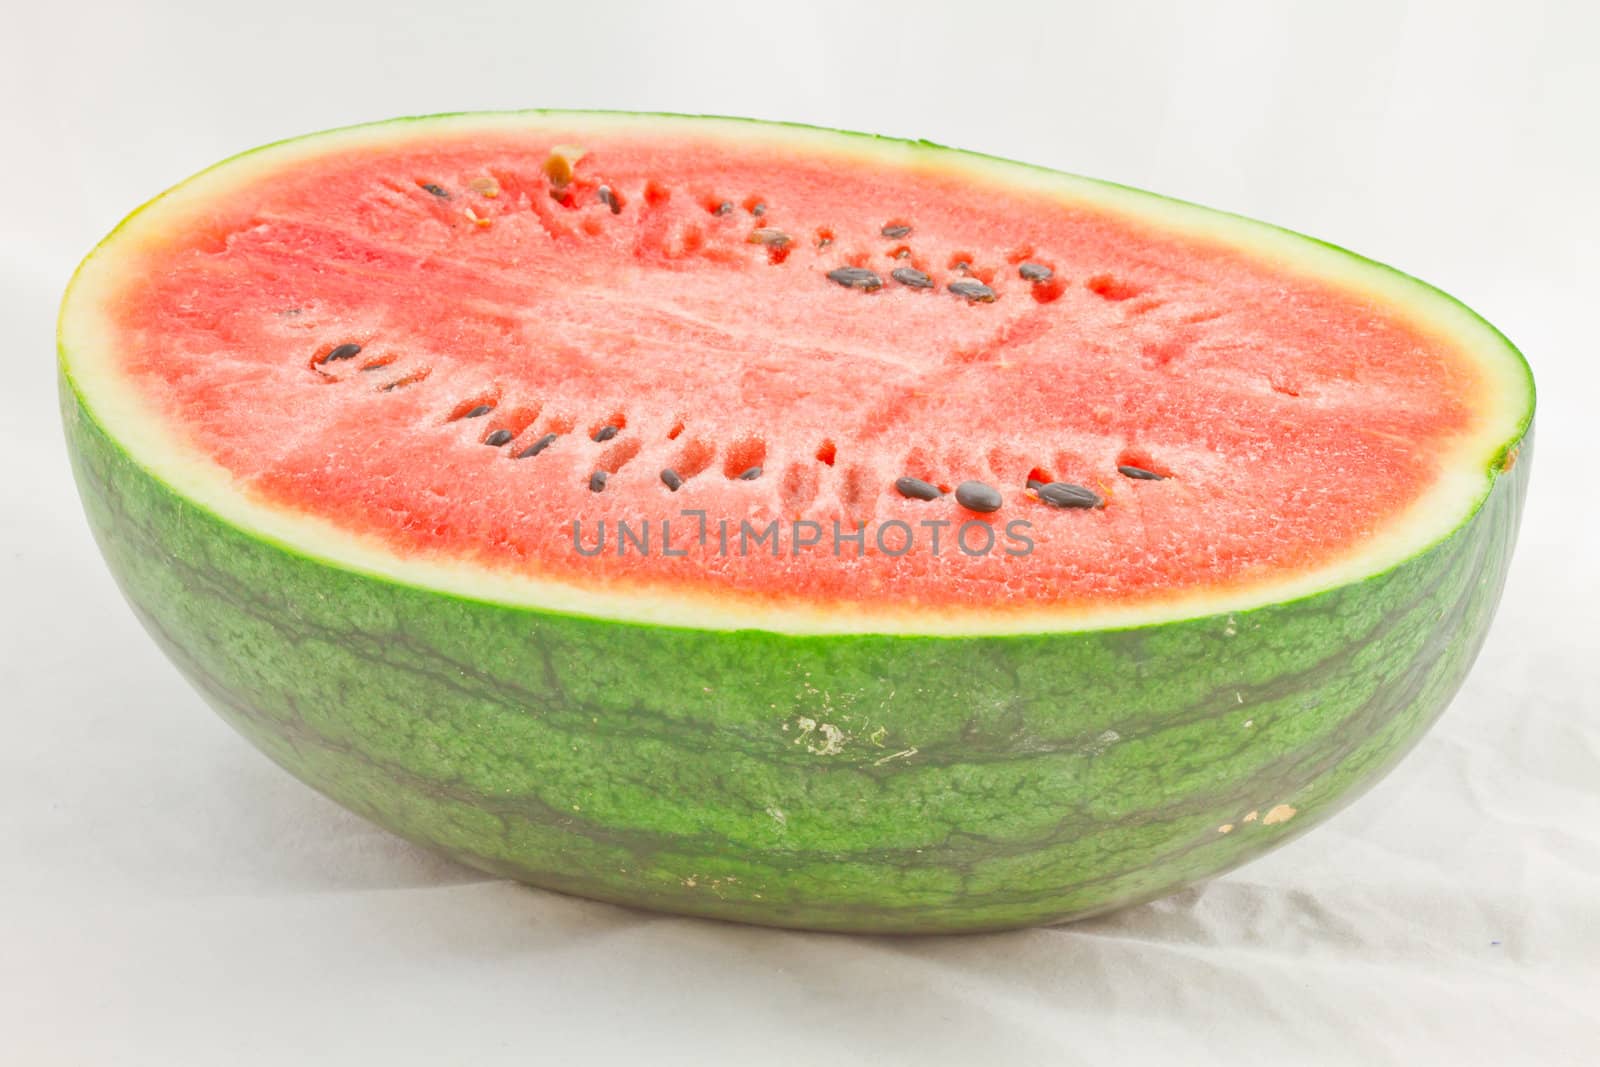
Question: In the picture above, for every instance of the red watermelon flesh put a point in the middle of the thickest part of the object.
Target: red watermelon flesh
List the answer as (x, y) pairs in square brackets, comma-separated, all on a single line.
[(508, 284)]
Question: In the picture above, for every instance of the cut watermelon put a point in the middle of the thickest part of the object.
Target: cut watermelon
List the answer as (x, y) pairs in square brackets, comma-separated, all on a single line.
[(784, 525)]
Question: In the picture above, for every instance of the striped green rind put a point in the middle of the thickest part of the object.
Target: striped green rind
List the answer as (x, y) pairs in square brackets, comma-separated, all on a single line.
[(843, 782)]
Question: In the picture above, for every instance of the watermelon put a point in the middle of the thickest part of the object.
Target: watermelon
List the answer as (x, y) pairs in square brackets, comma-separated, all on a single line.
[(783, 525)]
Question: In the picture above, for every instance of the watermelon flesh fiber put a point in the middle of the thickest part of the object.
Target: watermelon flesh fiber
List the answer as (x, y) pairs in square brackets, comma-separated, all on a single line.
[(855, 739)]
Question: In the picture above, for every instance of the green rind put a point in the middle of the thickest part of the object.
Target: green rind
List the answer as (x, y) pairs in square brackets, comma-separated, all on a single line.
[(866, 782), (973, 783)]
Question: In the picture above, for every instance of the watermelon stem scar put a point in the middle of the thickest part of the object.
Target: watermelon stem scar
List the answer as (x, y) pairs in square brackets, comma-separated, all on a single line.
[(784, 525)]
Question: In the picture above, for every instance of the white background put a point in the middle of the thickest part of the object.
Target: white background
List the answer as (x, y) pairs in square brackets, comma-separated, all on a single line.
[(167, 896)]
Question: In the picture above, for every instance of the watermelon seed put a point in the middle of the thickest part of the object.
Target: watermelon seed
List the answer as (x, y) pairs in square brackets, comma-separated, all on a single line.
[(1140, 473), (902, 253), (538, 446), (498, 438), (609, 199), (824, 237), (1035, 272), (606, 433), (1035, 484), (911, 276), (750, 475), (917, 489), (481, 409), (597, 481), (975, 291), (766, 235), (1067, 495), (436, 190), (895, 231), (758, 209), (856, 278), (670, 479), (724, 208), (409, 379), (344, 351), (976, 496), (559, 164)]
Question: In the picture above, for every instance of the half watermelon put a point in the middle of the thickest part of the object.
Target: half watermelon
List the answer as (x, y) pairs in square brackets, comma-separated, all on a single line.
[(784, 525)]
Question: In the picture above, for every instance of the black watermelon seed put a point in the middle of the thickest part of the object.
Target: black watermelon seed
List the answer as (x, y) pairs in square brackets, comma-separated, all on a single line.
[(344, 351), (606, 433), (976, 496), (1067, 495), (609, 199), (895, 231), (670, 479), (917, 489), (1036, 272), (597, 481), (1034, 483), (856, 278), (481, 409), (498, 438), (538, 446), (768, 236), (436, 190), (750, 475), (975, 291), (758, 210), (911, 276), (1140, 473), (724, 208)]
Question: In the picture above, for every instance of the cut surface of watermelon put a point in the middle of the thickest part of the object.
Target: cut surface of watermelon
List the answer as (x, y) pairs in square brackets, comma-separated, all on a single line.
[(672, 370), (348, 415)]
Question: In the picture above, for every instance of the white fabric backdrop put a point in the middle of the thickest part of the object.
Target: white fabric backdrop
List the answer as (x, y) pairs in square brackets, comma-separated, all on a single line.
[(167, 896)]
